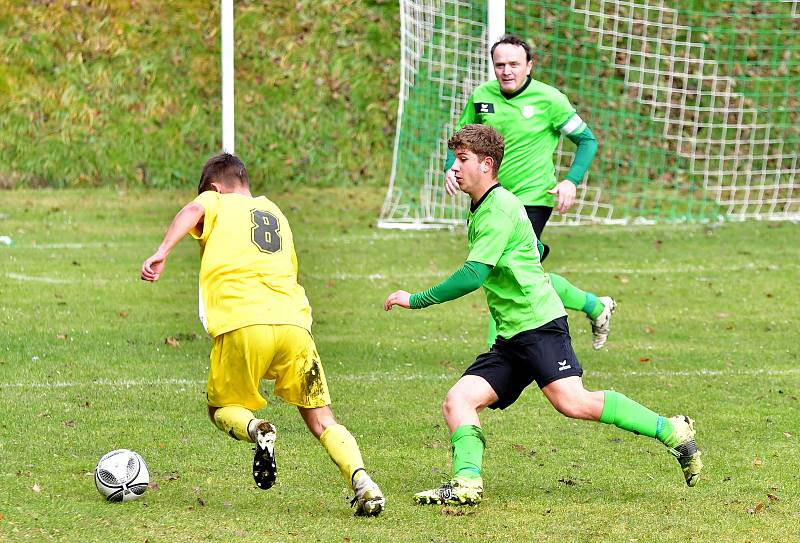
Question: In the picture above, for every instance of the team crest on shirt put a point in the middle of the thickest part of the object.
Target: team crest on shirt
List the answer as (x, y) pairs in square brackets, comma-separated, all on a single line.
[(528, 112), (484, 107)]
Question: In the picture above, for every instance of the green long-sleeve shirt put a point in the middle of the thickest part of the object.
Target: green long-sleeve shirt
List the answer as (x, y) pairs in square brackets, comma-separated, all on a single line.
[(531, 121)]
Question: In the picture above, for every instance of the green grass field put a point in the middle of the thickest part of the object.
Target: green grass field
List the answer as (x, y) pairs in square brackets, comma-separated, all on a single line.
[(706, 326)]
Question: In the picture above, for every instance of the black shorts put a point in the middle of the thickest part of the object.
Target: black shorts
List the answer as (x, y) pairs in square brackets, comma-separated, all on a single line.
[(543, 355), (538, 215)]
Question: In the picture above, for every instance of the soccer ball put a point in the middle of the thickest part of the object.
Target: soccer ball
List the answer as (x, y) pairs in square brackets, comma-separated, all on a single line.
[(121, 476)]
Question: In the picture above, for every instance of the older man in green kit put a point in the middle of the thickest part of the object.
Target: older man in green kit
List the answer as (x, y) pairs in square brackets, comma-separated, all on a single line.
[(531, 117), (533, 342)]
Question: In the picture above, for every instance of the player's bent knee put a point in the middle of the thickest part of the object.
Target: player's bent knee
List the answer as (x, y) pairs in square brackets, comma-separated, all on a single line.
[(318, 419), (456, 401), (573, 408)]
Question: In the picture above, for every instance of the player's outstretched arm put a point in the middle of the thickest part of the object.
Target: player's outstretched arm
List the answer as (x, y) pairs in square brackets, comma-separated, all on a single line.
[(467, 278), (186, 219), (398, 297)]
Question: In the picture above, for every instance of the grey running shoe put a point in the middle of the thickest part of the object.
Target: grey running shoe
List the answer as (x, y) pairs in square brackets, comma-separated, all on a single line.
[(686, 450), (601, 326), (264, 468)]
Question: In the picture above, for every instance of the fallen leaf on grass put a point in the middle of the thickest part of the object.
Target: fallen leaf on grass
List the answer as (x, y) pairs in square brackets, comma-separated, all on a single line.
[(758, 462), (518, 448), (62, 337), (123, 314), (43, 414), (201, 501), (757, 509), (155, 487), (644, 360), (36, 488), (69, 423), (172, 342), (649, 330), (787, 434), (772, 497)]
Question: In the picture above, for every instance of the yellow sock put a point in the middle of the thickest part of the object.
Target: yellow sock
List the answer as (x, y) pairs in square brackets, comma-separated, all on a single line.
[(343, 450), (234, 421)]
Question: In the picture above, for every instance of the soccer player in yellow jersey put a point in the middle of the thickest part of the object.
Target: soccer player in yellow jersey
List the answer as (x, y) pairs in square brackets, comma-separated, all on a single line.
[(260, 320)]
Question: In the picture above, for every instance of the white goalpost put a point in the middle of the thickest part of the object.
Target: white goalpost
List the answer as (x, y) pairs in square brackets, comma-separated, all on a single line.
[(695, 106), (226, 42)]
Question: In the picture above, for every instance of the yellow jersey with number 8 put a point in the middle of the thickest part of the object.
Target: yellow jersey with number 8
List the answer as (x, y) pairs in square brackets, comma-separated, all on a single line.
[(248, 269)]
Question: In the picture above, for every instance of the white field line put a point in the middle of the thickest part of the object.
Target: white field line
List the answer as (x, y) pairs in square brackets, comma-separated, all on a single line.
[(378, 235), (39, 278), (90, 245), (399, 275), (390, 377), (345, 276)]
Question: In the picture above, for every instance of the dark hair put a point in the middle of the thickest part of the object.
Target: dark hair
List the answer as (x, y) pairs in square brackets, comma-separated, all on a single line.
[(223, 168), (512, 39), (481, 139)]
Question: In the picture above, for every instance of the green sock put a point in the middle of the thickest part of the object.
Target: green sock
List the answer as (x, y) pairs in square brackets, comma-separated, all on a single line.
[(576, 299), (624, 413), (666, 433), (468, 443), (491, 336)]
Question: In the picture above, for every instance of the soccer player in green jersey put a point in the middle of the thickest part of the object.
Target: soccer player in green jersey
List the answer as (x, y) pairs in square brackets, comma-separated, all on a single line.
[(533, 342), (531, 117)]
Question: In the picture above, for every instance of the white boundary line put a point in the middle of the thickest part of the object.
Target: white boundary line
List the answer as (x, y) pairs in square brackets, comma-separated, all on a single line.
[(393, 377), (400, 275), (39, 279), (345, 276)]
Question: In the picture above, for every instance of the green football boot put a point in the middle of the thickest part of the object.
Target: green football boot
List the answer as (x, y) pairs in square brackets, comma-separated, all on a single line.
[(457, 491), (686, 450)]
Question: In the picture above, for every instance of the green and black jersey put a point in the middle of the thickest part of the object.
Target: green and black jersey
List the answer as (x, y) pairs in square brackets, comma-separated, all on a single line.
[(518, 292), (531, 122)]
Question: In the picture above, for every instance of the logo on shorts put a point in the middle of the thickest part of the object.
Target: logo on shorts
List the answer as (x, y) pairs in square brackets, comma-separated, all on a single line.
[(563, 365)]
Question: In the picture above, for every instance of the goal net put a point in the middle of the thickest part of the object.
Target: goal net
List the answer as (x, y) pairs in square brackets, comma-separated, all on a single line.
[(696, 109)]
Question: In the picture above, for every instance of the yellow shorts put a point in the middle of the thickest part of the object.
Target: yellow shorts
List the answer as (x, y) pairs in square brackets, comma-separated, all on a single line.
[(241, 358)]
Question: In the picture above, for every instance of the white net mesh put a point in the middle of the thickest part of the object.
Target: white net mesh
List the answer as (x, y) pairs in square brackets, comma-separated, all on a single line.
[(696, 111)]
